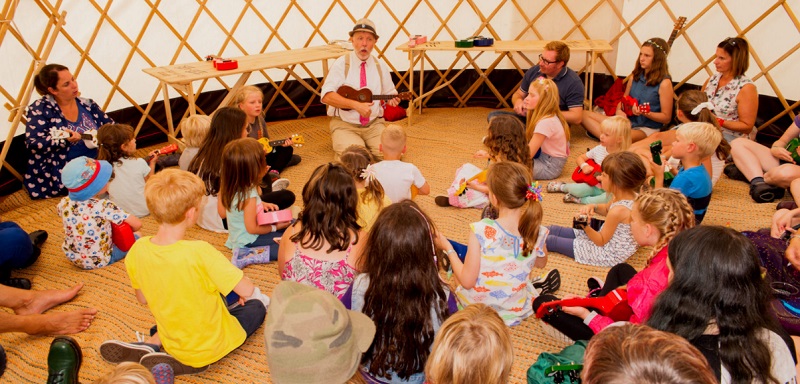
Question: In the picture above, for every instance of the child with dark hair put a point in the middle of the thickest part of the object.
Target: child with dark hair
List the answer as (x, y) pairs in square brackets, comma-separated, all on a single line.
[(322, 248), (371, 197), (623, 175), (505, 141), (117, 145), (718, 301), (501, 253), (243, 166), (408, 304)]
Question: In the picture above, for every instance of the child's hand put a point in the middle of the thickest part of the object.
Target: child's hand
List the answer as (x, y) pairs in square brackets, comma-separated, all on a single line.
[(153, 156), (441, 242), (474, 183), (781, 222), (481, 154), (270, 207), (587, 169), (587, 210), (576, 311), (288, 143)]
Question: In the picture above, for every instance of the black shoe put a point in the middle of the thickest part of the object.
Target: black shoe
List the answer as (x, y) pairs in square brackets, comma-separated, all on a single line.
[(17, 282), (38, 237), (763, 192), (3, 361), (442, 201), (64, 361), (591, 136), (734, 173), (294, 161), (550, 284)]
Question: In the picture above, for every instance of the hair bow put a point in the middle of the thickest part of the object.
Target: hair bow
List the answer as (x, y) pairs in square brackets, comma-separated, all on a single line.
[(706, 104), (534, 192), (368, 174)]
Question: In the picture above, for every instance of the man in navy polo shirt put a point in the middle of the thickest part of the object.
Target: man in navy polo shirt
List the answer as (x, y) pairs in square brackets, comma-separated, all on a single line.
[(553, 65)]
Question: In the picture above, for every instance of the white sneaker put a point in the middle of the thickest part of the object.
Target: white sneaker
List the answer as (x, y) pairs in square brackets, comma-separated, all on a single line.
[(280, 184)]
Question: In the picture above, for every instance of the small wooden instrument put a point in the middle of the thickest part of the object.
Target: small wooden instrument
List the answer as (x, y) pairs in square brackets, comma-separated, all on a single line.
[(579, 177), (480, 176), (614, 305), (297, 141), (89, 137), (364, 95)]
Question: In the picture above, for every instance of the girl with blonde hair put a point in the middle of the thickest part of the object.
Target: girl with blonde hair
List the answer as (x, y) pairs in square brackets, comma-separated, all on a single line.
[(657, 217), (548, 132), (460, 349)]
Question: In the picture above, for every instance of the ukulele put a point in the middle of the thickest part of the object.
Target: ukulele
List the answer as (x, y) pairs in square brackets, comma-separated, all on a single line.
[(297, 141), (163, 151), (579, 177), (364, 95), (614, 305), (676, 30), (89, 137), (558, 371), (480, 176)]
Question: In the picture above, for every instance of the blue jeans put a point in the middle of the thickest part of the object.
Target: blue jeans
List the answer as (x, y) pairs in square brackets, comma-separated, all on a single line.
[(118, 254)]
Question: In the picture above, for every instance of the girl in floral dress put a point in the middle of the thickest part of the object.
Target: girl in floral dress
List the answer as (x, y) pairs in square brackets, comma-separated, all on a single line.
[(322, 248)]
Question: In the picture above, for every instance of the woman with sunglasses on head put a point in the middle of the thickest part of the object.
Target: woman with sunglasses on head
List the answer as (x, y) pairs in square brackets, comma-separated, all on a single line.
[(651, 85), (735, 100)]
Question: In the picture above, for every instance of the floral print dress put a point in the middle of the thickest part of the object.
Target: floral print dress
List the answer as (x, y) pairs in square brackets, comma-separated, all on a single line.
[(331, 276)]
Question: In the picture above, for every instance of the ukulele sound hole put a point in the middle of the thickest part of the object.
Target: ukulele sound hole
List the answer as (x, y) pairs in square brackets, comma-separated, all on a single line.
[(362, 98)]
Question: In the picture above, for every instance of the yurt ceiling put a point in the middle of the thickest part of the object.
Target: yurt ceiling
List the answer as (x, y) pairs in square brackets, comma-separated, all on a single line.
[(106, 44)]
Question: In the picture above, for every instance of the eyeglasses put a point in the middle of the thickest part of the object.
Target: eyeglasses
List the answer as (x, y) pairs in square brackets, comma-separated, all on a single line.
[(542, 59)]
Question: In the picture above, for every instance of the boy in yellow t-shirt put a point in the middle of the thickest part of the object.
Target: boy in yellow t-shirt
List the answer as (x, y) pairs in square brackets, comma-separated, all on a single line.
[(183, 282)]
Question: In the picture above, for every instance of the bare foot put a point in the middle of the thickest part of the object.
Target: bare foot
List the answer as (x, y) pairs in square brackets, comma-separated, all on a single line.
[(44, 300), (63, 323)]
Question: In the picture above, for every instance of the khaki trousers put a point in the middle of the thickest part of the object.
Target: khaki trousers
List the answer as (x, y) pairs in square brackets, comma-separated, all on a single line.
[(344, 134)]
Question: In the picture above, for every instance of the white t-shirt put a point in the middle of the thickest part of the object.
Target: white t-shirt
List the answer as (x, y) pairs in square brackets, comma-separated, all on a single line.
[(187, 156), (396, 177), (598, 153), (127, 188), (783, 368)]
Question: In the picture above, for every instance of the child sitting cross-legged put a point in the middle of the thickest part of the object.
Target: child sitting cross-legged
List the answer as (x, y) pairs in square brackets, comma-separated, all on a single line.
[(87, 218), (117, 145), (693, 143), (194, 326), (397, 176), (615, 136)]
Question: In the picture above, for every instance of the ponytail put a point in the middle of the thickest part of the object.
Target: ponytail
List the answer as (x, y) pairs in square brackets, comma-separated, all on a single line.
[(511, 184), (695, 106), (358, 162)]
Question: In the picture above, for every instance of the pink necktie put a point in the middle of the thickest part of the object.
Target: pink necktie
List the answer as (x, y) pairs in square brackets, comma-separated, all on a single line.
[(364, 120)]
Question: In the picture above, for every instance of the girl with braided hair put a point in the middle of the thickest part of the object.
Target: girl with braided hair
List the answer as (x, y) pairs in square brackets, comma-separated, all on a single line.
[(657, 217)]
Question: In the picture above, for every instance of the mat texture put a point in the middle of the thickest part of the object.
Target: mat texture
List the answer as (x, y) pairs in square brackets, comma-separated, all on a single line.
[(439, 142)]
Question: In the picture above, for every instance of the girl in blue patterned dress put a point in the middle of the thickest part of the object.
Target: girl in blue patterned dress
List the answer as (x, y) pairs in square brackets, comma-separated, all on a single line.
[(502, 252), (624, 173)]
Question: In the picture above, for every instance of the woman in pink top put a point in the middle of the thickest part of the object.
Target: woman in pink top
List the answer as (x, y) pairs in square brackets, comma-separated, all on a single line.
[(548, 131), (656, 218), (322, 248)]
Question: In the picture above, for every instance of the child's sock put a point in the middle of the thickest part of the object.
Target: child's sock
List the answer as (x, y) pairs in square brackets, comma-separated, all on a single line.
[(257, 295), (757, 180), (243, 257)]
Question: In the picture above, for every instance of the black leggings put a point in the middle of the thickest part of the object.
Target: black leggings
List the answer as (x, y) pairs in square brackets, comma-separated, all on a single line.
[(573, 326), (279, 158)]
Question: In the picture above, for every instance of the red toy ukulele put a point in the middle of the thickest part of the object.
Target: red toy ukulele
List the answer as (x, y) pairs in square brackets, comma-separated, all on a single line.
[(579, 177), (614, 305)]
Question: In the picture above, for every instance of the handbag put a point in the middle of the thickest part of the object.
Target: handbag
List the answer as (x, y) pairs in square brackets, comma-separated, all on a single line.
[(561, 367)]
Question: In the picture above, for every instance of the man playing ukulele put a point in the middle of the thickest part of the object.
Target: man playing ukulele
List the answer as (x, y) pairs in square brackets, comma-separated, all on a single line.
[(356, 122)]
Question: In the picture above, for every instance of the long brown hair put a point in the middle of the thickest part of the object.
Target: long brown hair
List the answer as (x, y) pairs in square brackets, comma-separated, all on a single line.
[(400, 300), (329, 210), (547, 106), (110, 139), (243, 164), (659, 69), (510, 183), (737, 48), (506, 140), (687, 102), (356, 158), (227, 125)]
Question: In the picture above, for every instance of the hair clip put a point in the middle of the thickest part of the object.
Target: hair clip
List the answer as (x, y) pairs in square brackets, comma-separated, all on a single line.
[(543, 81), (706, 104), (653, 43), (534, 192), (368, 174)]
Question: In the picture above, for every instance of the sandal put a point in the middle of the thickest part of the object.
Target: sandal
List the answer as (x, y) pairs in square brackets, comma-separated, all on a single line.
[(555, 186)]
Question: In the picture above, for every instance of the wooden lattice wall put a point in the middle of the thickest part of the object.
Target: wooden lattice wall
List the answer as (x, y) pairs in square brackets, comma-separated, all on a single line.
[(144, 33)]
